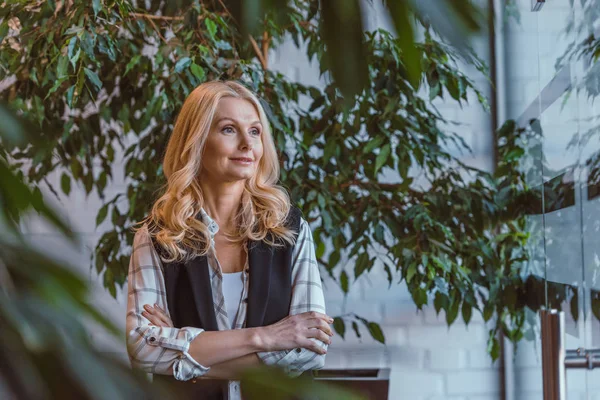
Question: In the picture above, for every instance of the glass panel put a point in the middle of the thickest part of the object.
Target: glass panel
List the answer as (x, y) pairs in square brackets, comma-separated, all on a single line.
[(551, 84), (570, 201), (587, 75)]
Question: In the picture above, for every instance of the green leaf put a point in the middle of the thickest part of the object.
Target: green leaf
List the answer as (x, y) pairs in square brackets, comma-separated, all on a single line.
[(493, 345), (329, 150), (382, 157), (356, 330), (99, 264), (362, 262), (334, 258), (101, 215), (452, 312), (410, 273), (198, 72), (453, 89), (454, 20), (424, 260), (71, 50), (12, 130), (182, 64), (133, 62), (339, 326), (376, 332), (467, 311), (76, 169), (93, 77), (211, 26), (344, 281), (411, 56), (440, 301), (61, 67), (97, 5), (373, 144), (3, 29), (70, 92), (488, 311), (101, 183), (65, 183), (320, 250), (345, 53), (321, 200)]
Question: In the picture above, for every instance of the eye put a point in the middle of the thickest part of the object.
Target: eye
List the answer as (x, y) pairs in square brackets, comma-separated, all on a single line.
[(255, 132), (228, 129)]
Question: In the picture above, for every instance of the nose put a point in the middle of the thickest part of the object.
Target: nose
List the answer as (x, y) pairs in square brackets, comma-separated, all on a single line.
[(245, 143)]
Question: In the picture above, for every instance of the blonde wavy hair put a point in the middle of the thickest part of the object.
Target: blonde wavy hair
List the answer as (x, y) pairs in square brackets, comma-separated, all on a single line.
[(174, 220)]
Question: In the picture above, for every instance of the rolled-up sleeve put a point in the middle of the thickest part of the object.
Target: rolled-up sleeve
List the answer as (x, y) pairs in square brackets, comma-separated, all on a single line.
[(154, 349), (307, 295)]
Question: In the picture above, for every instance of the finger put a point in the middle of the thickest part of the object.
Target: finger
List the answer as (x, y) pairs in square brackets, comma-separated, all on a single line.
[(158, 314), (155, 321), (161, 313), (152, 318), (320, 324), (316, 314), (313, 346), (160, 308), (164, 319), (320, 335)]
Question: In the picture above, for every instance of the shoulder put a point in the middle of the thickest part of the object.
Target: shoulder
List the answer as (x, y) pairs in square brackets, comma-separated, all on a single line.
[(304, 231), (145, 243), (143, 251), (141, 236), (294, 219)]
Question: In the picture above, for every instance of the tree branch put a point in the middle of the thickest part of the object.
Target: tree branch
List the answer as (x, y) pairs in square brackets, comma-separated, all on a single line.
[(157, 30), (259, 54), (159, 17), (265, 46)]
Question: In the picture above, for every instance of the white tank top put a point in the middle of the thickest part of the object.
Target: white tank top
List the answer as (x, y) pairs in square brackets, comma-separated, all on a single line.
[(232, 292)]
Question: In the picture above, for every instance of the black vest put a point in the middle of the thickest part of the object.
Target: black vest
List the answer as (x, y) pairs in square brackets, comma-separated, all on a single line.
[(190, 302)]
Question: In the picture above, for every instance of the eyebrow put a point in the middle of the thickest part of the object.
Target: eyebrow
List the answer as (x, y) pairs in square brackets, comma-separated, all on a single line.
[(229, 119)]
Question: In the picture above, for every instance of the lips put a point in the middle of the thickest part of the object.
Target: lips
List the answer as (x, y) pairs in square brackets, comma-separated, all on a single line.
[(243, 159)]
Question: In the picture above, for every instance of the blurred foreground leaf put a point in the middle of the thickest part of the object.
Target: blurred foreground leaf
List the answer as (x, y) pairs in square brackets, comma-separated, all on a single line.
[(263, 380)]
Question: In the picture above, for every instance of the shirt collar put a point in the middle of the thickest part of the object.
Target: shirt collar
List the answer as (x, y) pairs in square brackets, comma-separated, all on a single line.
[(213, 227)]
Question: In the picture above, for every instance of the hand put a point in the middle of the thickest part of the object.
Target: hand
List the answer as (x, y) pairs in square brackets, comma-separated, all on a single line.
[(157, 316), (296, 331)]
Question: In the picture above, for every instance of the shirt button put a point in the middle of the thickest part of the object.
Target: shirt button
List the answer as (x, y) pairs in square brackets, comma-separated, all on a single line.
[(193, 381), (298, 350), (152, 339)]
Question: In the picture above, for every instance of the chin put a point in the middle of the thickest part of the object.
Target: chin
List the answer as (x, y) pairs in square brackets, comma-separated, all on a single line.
[(239, 177)]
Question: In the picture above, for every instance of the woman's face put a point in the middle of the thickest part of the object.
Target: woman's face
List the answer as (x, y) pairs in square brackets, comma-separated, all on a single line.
[(234, 144)]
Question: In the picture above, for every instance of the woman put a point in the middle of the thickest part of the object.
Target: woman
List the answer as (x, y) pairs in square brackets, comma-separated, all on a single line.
[(223, 274)]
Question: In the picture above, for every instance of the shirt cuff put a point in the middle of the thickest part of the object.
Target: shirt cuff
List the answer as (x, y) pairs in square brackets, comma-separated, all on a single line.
[(284, 359), (184, 367)]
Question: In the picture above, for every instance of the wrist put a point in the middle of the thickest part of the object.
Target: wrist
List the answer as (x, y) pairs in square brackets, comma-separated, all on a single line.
[(259, 339)]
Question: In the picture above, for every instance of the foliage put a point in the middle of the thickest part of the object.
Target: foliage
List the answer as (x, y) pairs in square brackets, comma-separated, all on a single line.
[(257, 382), (45, 350), (373, 167)]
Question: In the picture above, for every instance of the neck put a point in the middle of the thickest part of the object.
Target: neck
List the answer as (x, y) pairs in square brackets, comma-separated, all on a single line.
[(222, 201)]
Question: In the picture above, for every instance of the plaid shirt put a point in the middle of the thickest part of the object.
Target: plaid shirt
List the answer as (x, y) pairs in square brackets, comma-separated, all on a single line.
[(164, 351)]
